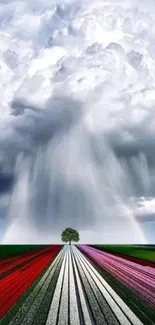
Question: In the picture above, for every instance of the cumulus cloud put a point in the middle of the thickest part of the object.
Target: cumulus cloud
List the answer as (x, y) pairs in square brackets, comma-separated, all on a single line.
[(77, 115)]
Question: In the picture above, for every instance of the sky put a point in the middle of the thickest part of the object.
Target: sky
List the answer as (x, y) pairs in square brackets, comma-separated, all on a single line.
[(77, 120)]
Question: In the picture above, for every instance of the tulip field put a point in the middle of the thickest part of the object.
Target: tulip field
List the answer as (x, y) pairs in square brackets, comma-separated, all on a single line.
[(77, 284)]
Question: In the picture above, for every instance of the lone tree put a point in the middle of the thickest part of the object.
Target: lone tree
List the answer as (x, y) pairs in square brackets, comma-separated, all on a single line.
[(69, 235)]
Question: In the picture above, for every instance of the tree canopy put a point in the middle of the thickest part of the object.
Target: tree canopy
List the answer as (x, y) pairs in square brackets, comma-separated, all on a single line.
[(69, 235)]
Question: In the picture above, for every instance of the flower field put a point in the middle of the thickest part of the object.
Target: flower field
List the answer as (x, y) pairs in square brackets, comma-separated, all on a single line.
[(53, 285)]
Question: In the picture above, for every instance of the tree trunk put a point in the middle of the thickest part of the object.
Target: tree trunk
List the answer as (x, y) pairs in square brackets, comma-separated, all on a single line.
[(69, 242)]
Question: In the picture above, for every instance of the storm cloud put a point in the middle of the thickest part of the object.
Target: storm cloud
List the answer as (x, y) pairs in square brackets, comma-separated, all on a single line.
[(77, 116)]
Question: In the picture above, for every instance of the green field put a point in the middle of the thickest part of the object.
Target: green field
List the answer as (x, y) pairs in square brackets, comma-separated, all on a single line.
[(145, 252), (12, 250)]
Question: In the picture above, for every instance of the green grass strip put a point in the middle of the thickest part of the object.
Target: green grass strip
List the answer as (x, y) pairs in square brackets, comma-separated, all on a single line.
[(13, 250), (146, 252)]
